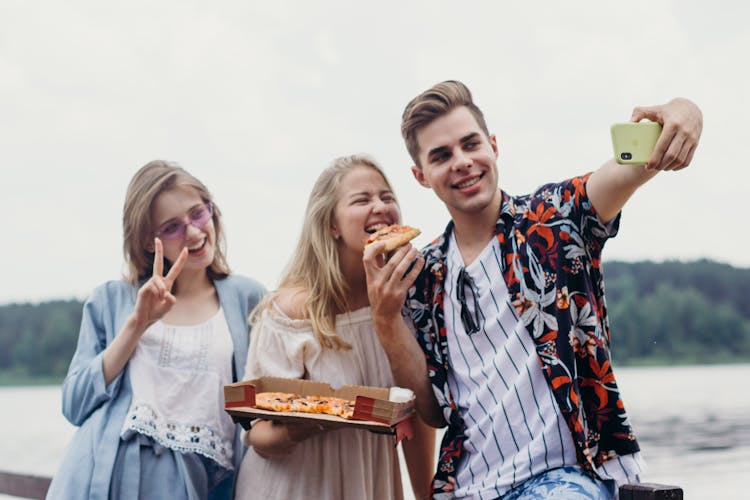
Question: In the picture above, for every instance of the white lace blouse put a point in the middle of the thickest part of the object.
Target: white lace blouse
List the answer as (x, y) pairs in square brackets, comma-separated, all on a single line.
[(178, 374)]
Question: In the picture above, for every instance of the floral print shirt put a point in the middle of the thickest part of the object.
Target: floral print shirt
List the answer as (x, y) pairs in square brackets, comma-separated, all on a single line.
[(551, 244)]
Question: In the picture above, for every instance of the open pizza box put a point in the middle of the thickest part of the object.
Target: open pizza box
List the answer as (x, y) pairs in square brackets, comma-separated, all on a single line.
[(377, 409)]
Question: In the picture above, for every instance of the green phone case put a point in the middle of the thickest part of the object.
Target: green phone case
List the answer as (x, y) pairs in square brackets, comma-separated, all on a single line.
[(634, 142)]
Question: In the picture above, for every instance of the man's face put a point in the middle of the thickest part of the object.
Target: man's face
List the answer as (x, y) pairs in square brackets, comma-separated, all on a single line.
[(458, 162)]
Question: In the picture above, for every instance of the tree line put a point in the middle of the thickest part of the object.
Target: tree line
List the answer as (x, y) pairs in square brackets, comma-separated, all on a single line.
[(677, 312), (660, 313)]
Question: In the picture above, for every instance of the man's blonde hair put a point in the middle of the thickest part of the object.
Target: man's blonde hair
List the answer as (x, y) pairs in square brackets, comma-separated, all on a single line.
[(315, 266), (437, 101)]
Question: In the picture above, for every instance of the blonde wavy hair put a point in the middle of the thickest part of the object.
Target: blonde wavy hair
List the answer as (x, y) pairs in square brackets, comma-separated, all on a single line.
[(138, 226), (314, 266)]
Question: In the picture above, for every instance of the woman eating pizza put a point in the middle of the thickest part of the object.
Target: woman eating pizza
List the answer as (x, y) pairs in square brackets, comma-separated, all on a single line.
[(175, 327), (317, 325)]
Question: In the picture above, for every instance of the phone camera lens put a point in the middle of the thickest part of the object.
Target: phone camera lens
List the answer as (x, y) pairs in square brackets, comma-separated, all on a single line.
[(626, 156)]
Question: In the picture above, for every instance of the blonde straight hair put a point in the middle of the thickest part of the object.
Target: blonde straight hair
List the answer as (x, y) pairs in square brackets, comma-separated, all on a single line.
[(314, 266), (138, 226)]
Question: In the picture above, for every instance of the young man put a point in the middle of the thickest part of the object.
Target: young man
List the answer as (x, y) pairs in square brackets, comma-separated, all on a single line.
[(508, 312)]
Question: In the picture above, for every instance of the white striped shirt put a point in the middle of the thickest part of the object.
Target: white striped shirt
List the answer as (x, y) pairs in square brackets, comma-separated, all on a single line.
[(514, 428)]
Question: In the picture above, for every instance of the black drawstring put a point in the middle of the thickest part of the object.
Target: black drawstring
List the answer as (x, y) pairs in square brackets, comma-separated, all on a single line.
[(469, 320)]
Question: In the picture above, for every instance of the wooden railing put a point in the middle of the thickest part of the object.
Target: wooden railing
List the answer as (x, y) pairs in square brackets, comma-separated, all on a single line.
[(23, 485), (650, 491), (27, 486)]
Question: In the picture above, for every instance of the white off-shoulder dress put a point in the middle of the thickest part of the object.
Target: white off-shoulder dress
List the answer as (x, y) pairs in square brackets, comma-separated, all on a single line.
[(344, 463)]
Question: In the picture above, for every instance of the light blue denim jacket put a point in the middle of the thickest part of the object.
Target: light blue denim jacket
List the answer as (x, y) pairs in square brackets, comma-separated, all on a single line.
[(100, 410)]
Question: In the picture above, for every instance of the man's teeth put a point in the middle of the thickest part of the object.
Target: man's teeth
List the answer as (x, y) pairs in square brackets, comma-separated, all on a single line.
[(468, 183)]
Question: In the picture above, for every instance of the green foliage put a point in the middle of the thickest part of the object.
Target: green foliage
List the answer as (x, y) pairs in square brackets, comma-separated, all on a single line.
[(677, 312), (717, 282), (660, 313), (38, 340)]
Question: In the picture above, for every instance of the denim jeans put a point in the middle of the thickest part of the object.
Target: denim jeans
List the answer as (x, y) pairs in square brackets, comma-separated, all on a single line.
[(564, 483)]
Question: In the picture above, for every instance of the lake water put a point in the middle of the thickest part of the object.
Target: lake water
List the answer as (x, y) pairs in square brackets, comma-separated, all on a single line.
[(693, 424)]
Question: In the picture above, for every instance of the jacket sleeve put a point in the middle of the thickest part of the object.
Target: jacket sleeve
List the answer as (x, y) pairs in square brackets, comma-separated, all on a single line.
[(84, 389)]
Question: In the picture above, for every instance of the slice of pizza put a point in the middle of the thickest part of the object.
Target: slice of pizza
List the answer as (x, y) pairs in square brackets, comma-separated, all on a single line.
[(341, 408), (287, 402), (310, 404), (394, 236), (275, 401)]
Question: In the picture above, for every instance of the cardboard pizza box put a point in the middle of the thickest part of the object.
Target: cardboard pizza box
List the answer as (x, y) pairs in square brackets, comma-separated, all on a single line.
[(373, 410)]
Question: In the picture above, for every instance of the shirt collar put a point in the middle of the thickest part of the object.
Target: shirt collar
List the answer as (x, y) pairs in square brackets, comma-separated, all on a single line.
[(507, 213), (438, 248)]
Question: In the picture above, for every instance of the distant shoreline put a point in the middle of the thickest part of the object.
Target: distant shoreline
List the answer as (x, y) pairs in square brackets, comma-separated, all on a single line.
[(8, 380)]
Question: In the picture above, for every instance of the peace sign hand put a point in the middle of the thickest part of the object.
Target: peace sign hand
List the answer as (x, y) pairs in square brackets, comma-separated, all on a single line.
[(155, 297)]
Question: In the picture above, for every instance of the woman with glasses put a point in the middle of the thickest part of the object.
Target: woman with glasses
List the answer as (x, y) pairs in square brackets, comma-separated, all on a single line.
[(317, 325), (145, 385)]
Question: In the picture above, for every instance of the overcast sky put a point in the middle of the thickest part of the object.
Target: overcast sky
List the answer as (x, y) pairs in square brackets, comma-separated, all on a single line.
[(255, 98)]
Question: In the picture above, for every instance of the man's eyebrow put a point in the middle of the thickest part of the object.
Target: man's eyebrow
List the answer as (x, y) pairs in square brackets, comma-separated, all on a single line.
[(442, 149), (469, 137), (439, 149)]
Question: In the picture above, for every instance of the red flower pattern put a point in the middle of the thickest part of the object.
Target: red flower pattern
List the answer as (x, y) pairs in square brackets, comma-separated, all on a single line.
[(554, 229)]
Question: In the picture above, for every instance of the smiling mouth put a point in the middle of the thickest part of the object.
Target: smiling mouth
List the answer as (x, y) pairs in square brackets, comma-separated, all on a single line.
[(199, 247), (469, 182)]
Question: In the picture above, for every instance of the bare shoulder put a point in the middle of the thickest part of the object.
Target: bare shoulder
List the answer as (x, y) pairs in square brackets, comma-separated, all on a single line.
[(291, 302)]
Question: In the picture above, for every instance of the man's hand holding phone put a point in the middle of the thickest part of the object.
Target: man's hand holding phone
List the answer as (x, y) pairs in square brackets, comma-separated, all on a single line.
[(666, 142)]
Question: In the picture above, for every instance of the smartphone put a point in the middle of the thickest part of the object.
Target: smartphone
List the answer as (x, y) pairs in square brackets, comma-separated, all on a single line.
[(633, 143)]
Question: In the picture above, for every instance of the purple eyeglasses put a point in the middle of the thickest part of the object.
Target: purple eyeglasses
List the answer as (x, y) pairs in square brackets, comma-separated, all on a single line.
[(198, 216)]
